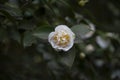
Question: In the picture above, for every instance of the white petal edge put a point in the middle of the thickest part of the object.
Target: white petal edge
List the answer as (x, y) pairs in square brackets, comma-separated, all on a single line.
[(50, 36), (64, 27)]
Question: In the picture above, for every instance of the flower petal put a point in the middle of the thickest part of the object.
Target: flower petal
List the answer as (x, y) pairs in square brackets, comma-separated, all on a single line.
[(62, 33)]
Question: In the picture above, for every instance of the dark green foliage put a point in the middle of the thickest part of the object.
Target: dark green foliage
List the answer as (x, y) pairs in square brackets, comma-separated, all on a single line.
[(25, 53)]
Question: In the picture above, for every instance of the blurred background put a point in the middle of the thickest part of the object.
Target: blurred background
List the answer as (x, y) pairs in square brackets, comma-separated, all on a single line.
[(26, 57)]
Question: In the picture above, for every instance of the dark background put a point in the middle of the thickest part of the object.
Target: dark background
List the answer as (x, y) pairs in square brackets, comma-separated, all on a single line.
[(23, 57)]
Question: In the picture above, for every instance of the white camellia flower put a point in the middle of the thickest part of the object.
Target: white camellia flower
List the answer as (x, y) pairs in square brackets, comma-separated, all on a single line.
[(62, 38)]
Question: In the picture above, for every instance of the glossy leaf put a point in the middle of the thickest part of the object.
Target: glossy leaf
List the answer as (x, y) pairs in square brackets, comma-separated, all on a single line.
[(80, 31), (68, 58), (42, 32), (28, 39)]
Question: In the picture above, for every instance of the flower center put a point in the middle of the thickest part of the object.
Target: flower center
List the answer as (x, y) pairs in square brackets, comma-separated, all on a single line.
[(61, 38)]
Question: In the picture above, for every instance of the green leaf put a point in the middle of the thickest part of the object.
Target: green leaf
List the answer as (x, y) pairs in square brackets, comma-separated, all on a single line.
[(80, 30), (43, 32), (28, 39), (11, 10), (68, 58)]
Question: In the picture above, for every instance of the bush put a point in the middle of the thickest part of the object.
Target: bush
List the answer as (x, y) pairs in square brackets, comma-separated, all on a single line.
[(26, 54)]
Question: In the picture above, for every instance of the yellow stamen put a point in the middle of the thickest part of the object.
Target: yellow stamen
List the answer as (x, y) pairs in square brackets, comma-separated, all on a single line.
[(61, 39)]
